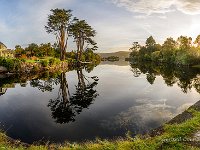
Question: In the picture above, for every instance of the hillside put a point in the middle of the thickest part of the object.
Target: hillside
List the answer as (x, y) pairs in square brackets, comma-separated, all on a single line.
[(121, 54)]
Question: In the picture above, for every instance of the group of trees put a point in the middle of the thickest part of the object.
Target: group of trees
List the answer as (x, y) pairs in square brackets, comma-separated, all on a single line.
[(180, 52), (110, 58), (42, 50), (63, 25), (48, 50), (86, 56)]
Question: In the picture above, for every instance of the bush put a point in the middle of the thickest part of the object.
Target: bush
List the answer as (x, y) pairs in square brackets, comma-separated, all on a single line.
[(34, 58), (23, 60), (35, 69), (44, 63), (10, 64), (57, 61), (52, 61), (23, 56), (17, 64)]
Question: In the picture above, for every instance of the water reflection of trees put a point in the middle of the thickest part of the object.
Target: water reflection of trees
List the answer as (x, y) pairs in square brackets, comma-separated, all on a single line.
[(65, 107), (44, 85), (184, 77)]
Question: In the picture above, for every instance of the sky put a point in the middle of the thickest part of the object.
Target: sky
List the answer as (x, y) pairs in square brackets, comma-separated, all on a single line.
[(118, 22)]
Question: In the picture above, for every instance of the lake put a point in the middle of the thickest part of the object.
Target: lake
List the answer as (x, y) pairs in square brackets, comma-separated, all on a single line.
[(105, 102)]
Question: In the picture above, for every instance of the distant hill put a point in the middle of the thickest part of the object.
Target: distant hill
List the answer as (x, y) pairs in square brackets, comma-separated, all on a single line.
[(121, 54)]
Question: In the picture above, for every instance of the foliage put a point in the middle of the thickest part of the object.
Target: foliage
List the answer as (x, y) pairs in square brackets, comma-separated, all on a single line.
[(197, 40), (184, 77), (44, 63), (61, 24), (180, 52), (50, 52), (45, 50), (135, 47), (150, 42), (58, 24), (34, 51), (82, 33), (67, 105), (31, 49), (10, 64), (111, 58), (184, 42), (87, 56), (23, 56), (90, 56), (19, 51), (52, 61), (35, 69)]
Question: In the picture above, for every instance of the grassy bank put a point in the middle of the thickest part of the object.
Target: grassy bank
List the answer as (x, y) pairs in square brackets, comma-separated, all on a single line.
[(173, 136)]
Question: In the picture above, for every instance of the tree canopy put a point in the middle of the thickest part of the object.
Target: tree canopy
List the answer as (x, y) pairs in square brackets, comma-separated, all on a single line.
[(82, 33), (179, 52), (62, 24), (58, 24)]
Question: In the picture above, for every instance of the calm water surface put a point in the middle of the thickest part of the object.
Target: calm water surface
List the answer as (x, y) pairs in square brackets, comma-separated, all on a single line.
[(108, 102)]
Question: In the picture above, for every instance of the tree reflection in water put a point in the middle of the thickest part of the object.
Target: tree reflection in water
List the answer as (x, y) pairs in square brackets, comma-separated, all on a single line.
[(65, 107), (185, 77)]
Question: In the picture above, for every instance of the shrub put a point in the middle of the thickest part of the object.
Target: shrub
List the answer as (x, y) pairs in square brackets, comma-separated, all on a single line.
[(17, 64), (35, 69), (57, 61), (10, 64), (23, 56), (52, 61), (23, 60), (44, 63), (34, 58)]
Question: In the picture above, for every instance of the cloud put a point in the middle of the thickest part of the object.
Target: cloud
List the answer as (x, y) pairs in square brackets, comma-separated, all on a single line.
[(141, 118), (189, 6), (22, 22), (26, 22), (159, 6)]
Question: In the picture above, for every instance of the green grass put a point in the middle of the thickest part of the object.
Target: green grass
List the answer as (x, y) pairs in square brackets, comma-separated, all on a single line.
[(164, 141), (39, 59), (45, 58), (30, 61)]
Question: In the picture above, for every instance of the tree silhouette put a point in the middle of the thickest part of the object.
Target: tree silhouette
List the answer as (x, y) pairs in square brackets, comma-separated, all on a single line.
[(65, 107), (185, 77)]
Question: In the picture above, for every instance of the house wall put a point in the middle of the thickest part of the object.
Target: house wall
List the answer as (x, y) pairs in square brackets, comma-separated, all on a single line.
[(4, 52)]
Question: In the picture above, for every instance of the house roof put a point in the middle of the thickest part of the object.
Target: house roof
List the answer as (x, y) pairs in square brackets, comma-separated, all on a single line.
[(3, 44)]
